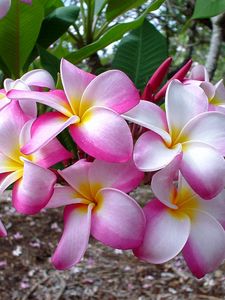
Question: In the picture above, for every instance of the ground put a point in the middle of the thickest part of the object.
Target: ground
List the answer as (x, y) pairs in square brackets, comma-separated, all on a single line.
[(26, 272)]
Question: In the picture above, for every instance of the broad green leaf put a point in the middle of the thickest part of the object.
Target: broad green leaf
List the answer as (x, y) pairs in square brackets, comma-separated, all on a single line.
[(118, 7), (208, 8), (53, 27), (99, 5), (49, 62), (113, 34), (140, 53), (49, 6), (18, 33), (56, 24)]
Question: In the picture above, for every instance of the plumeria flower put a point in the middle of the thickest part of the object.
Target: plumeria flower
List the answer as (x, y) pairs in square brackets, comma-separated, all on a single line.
[(179, 220), (186, 127), (5, 6), (34, 183), (215, 93), (90, 107), (33, 80), (96, 204)]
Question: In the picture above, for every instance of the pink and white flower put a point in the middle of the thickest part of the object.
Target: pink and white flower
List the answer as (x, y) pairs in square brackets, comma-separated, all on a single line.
[(97, 204), (33, 80), (179, 220), (186, 127), (91, 108), (34, 183)]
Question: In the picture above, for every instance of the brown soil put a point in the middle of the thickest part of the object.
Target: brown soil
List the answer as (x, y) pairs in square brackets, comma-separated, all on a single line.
[(104, 273)]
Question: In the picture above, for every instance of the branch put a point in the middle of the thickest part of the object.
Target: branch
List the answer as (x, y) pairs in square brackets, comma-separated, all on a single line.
[(215, 44)]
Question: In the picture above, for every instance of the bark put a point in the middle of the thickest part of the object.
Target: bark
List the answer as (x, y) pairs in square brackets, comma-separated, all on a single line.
[(215, 44)]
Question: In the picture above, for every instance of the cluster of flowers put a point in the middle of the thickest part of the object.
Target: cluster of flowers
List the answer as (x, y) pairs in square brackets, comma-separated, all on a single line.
[(182, 146)]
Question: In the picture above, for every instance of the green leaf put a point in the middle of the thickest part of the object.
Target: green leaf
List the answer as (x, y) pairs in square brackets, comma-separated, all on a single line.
[(49, 62), (118, 7), (99, 5), (18, 33), (140, 53), (208, 8), (49, 6), (53, 27), (56, 24), (113, 34)]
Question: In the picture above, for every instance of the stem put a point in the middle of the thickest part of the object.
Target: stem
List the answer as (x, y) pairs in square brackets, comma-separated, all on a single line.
[(89, 37), (83, 15), (101, 30)]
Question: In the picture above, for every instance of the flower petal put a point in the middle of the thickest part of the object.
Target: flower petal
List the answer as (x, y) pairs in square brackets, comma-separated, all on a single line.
[(6, 179), (7, 164), (215, 207), (45, 128), (10, 126), (199, 73), (34, 190), (162, 182), (122, 176), (74, 240), (205, 248), (150, 116), (77, 177), (183, 102), (48, 155), (112, 89), (4, 7), (165, 235), (117, 221), (64, 195), (208, 128), (203, 168), (104, 135), (55, 99), (74, 82), (39, 78), (151, 153)]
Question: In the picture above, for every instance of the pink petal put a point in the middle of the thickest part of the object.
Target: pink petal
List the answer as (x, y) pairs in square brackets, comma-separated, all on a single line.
[(28, 107), (74, 240), (203, 168), (6, 179), (215, 207), (74, 82), (209, 89), (205, 248), (111, 89), (163, 182), (55, 99), (77, 177), (219, 96), (183, 102), (45, 128), (39, 78), (165, 235), (12, 120), (104, 135), (64, 195), (7, 164), (122, 176), (200, 73), (208, 127), (150, 116), (4, 101), (51, 154), (4, 7), (151, 153), (117, 220), (34, 190)]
